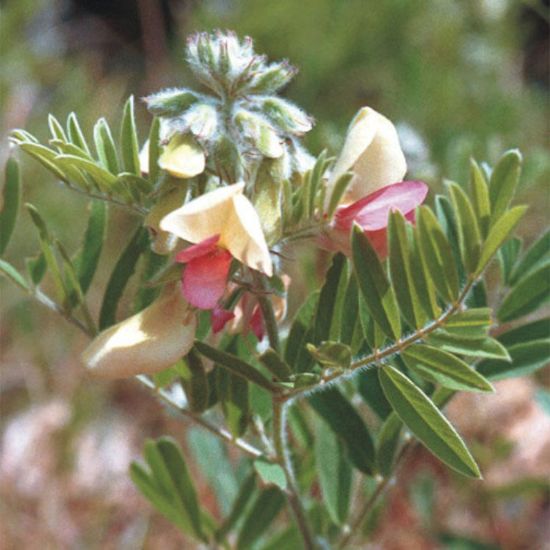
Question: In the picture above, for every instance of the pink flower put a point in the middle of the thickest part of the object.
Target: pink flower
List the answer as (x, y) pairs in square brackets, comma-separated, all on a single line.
[(372, 214)]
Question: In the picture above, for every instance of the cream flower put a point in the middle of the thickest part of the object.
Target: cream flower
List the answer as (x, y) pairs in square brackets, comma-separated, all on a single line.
[(228, 213), (148, 342), (372, 152)]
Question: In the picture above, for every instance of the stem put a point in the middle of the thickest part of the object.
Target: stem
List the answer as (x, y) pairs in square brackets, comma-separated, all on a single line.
[(283, 459), (397, 347), (222, 433), (267, 312)]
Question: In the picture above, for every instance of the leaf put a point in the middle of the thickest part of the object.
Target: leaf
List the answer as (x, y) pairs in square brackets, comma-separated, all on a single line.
[(346, 423), (123, 270), (11, 196), (165, 455), (441, 367), (210, 455), (524, 333), (129, 139), (350, 309), (301, 323), (335, 474), (388, 443), (371, 391), (479, 190), (46, 157), (507, 257), (504, 181), (374, 285), (331, 354), (487, 348), (273, 362), (105, 180), (56, 129), (11, 273), (36, 268), (239, 507), (270, 473), (401, 272), (527, 295), (88, 258), (234, 396), (154, 150), (105, 146), (499, 232), (327, 299), (469, 236), (437, 255), (235, 365), (263, 511), (526, 358), (537, 253), (426, 422), (194, 381), (338, 191), (75, 133), (472, 323)]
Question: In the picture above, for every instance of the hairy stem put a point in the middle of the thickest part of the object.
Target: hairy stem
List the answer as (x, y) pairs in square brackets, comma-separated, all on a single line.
[(283, 459), (267, 312)]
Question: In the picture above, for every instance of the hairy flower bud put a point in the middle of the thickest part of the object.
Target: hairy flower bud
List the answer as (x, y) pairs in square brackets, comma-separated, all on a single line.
[(259, 133), (171, 102)]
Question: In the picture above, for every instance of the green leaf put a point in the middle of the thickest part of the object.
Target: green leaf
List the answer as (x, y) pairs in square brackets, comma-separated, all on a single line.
[(194, 381), (236, 366), (47, 158), (335, 474), (537, 253), (374, 285), (371, 391), (331, 354), (166, 461), (300, 325), (327, 299), (123, 270), (472, 323), (210, 456), (234, 396), (469, 236), (273, 362), (503, 183), (338, 191), (526, 358), (479, 190), (75, 133), (270, 473), (443, 368), (499, 232), (88, 258), (11, 196), (401, 272), (36, 268), (525, 333), (154, 150), (11, 273), (263, 511), (507, 257), (387, 444), (437, 254), (346, 423), (105, 180), (239, 507), (350, 312), (530, 293), (105, 146), (129, 139), (426, 421), (487, 348), (56, 129)]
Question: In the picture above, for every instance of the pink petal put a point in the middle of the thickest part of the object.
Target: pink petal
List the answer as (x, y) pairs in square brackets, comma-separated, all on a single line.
[(197, 250), (371, 212), (204, 278), (219, 317), (257, 323)]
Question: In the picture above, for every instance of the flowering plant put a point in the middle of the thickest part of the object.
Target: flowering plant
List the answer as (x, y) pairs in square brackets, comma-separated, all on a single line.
[(222, 190)]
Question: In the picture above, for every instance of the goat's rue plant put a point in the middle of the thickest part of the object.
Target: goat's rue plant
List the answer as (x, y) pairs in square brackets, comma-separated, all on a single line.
[(222, 189)]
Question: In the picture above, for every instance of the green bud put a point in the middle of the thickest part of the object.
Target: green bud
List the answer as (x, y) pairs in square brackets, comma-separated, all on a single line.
[(259, 133), (286, 115), (171, 102)]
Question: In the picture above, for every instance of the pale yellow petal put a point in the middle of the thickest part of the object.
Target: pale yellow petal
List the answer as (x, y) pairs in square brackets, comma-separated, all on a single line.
[(183, 157), (144, 158), (145, 343), (244, 238), (204, 216)]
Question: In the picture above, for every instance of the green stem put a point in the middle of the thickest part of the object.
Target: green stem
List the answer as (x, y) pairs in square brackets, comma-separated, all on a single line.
[(267, 312), (283, 459)]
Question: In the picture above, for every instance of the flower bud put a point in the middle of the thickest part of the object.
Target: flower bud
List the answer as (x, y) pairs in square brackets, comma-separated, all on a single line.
[(287, 116), (148, 342), (171, 102), (372, 152), (183, 157), (259, 133)]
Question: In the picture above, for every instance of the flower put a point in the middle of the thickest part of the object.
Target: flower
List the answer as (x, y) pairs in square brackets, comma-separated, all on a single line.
[(148, 342), (183, 157), (223, 224), (372, 152), (372, 212)]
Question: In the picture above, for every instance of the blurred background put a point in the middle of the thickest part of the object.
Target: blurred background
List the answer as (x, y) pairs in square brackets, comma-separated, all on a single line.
[(459, 78)]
